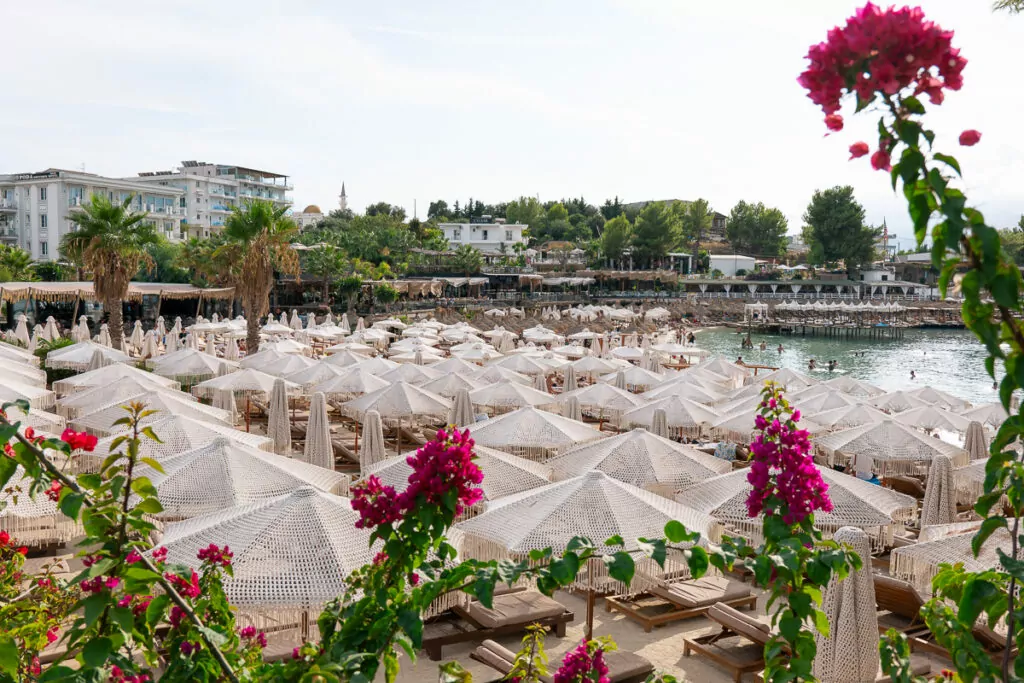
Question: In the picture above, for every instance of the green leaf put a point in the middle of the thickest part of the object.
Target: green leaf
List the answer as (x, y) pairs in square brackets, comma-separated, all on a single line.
[(9, 656), (123, 617), (697, 560), (8, 466), (453, 672), (821, 622), (976, 593), (71, 504), (620, 566), (155, 464), (653, 549), (675, 532), (148, 431), (143, 487), (483, 589), (949, 161), (156, 609), (96, 651), (141, 574), (988, 527), (215, 637), (615, 541), (789, 627), (92, 608), (410, 622), (149, 506)]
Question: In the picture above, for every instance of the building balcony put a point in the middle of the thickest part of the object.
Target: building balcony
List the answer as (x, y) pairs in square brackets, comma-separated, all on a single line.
[(8, 206), (8, 233)]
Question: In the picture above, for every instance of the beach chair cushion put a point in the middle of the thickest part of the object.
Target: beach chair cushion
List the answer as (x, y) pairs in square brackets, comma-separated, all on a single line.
[(702, 592), (514, 608), (626, 665), (739, 623)]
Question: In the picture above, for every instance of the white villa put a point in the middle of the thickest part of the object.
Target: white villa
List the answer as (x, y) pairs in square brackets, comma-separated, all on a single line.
[(489, 237)]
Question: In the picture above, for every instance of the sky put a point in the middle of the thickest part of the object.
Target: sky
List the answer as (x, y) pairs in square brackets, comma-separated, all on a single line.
[(411, 101)]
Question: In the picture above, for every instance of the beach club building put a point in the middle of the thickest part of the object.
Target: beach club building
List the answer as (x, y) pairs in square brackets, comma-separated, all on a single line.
[(730, 264), (486, 235)]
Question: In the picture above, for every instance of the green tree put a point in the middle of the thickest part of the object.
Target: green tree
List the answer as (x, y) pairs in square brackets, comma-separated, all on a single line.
[(16, 264), (611, 209), (349, 288), (259, 239), (49, 271), (696, 221), (468, 260), (385, 294), (757, 229), (525, 210), (166, 259), (655, 234), (207, 262), (438, 210), (615, 239), (837, 231), (327, 262), (557, 212), (111, 241), (385, 209)]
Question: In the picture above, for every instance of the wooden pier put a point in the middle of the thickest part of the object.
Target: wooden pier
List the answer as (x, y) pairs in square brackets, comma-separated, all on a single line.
[(874, 332)]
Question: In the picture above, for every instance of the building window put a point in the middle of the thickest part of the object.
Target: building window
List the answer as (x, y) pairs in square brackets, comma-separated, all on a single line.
[(457, 234), (885, 278), (44, 248), (485, 235), (508, 235), (42, 194)]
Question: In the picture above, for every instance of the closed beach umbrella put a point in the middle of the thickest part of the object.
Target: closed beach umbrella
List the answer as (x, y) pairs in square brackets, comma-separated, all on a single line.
[(231, 349), (21, 330), (103, 338), (51, 329), (318, 449), (939, 505), (96, 361), (225, 400), (371, 449), (150, 348), (161, 327), (659, 423), (570, 380), (976, 443), (295, 323), (81, 330), (279, 429), (137, 335), (461, 412), (571, 409), (849, 654)]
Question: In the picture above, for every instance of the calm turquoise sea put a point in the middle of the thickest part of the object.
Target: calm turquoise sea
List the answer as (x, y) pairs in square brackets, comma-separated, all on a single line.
[(951, 360)]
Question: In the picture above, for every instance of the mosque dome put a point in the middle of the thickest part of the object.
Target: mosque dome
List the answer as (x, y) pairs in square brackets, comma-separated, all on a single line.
[(312, 208)]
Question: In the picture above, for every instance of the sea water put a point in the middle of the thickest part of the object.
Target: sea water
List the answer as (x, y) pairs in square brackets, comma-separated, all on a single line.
[(950, 360)]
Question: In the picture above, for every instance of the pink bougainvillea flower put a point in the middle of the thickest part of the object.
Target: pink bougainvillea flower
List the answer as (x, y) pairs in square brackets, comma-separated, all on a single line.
[(880, 161), (834, 122), (969, 138), (859, 149)]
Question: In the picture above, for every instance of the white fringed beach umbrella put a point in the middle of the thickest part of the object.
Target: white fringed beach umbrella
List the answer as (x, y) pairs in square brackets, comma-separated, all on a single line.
[(493, 373), (875, 509), (449, 384), (593, 506), (886, 448), (295, 323), (411, 373), (939, 398), (318, 372), (13, 353), (231, 349), (531, 433), (505, 396), (603, 400), (930, 418), (279, 428), (456, 366), (344, 359), (522, 364), (350, 383), (22, 372), (96, 362), (976, 442), (100, 420), (77, 356), (642, 459), (80, 332), (682, 415), (634, 378), (849, 654), (377, 365), (286, 365), (399, 401), (150, 348), (33, 521), (245, 382), (88, 399), (110, 374), (224, 474), (318, 449), (939, 504), (897, 402), (371, 449), (161, 327), (261, 358), (854, 387), (292, 553), (37, 397), (820, 401), (570, 380), (854, 415), (37, 419), (504, 474), (51, 329), (991, 414), (190, 366), (920, 562)]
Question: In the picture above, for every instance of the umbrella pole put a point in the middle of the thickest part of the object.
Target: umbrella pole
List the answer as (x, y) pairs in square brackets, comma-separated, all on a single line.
[(357, 436), (247, 415), (398, 438), (589, 633)]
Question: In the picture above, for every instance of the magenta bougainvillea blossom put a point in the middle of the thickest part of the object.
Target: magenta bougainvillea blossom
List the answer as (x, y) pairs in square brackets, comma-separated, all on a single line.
[(584, 664), (783, 475), (440, 467)]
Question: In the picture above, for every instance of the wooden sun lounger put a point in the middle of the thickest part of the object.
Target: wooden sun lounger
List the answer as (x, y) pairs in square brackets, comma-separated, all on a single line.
[(901, 606), (994, 643), (623, 667), (911, 486), (511, 613), (670, 602), (740, 658)]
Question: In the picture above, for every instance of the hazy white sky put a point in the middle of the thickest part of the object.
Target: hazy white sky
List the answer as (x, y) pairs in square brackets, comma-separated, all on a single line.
[(424, 100)]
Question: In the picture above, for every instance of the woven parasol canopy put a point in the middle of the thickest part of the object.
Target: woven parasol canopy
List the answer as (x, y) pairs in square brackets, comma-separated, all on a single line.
[(849, 416), (820, 401), (109, 375), (377, 365), (685, 387), (290, 363), (603, 400), (22, 372), (449, 384), (344, 359), (683, 415), (33, 521), (897, 401), (349, 383), (291, 552), (531, 433), (245, 382), (36, 419), (522, 364), (399, 401), (315, 374), (932, 417), (100, 421), (496, 374), (507, 395), (504, 474), (876, 510), (991, 414), (642, 459), (636, 378), (411, 374), (38, 397), (886, 448), (80, 402), (939, 398), (225, 473), (456, 366), (77, 356), (853, 387), (789, 378), (919, 563)]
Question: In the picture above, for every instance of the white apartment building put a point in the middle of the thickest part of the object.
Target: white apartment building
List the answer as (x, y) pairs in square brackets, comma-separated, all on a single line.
[(36, 208), (211, 190), (487, 237)]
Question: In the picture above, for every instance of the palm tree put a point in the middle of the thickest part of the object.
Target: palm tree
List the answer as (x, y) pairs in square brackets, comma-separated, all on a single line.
[(259, 241), (696, 221), (110, 242), (17, 264), (468, 260)]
